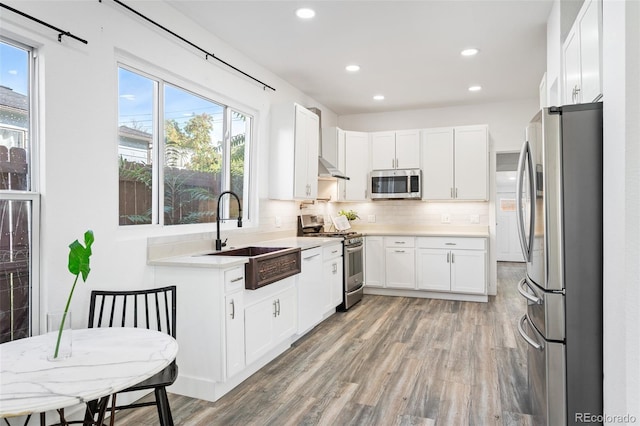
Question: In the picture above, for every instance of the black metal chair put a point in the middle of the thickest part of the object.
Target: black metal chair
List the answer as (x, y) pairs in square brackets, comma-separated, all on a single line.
[(153, 309)]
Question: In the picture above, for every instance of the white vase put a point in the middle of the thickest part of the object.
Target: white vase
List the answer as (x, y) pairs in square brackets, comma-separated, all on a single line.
[(59, 340)]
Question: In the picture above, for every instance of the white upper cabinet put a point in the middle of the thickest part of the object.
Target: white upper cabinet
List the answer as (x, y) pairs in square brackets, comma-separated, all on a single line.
[(356, 166), (294, 153), (582, 53), (395, 150), (455, 163)]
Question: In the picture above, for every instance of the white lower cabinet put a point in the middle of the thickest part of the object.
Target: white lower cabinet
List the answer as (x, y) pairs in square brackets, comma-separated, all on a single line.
[(452, 264), (400, 262), (454, 267), (332, 271), (374, 275), (269, 321), (310, 289), (234, 332)]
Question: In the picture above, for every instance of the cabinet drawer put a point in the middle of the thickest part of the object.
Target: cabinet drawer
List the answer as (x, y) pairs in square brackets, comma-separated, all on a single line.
[(452, 243), (399, 241), (332, 251), (234, 279)]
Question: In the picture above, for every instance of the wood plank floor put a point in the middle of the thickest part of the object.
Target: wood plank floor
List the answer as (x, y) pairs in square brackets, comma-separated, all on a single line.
[(388, 361)]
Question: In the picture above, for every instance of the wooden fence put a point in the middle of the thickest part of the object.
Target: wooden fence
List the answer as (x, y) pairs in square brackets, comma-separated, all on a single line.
[(189, 196), (14, 248)]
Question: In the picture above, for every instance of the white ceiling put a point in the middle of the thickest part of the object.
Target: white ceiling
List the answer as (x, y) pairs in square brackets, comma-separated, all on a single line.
[(409, 51)]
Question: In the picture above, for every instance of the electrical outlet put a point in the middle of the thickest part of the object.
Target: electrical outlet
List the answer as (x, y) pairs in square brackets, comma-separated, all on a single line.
[(278, 221), (474, 218), (371, 218), (445, 218)]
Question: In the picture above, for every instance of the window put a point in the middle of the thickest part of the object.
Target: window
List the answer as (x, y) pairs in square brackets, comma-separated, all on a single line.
[(19, 206), (203, 147)]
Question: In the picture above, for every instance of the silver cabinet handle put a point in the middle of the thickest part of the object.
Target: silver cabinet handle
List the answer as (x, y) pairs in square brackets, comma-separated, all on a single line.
[(400, 242), (451, 192), (456, 195), (334, 251), (335, 268), (399, 251), (235, 280), (450, 244), (521, 289), (524, 335), (233, 309), (278, 304), (275, 309), (393, 163), (312, 256), (448, 257), (452, 257)]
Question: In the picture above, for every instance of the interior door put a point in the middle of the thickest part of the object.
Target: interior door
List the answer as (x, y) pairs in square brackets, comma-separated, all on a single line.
[(508, 244)]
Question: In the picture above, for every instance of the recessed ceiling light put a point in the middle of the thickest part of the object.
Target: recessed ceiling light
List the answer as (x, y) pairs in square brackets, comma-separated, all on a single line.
[(352, 68), (475, 88), (305, 13), (378, 97), (470, 52)]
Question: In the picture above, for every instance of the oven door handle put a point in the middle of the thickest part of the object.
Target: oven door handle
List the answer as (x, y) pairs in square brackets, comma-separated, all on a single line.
[(351, 249)]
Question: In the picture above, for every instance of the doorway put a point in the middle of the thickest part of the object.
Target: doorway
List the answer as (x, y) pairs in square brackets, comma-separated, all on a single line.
[(507, 240)]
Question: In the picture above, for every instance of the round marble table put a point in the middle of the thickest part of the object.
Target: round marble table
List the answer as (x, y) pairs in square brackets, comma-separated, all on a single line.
[(103, 361)]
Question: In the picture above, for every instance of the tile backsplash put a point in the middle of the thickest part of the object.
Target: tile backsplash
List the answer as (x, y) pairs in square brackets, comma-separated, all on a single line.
[(384, 213)]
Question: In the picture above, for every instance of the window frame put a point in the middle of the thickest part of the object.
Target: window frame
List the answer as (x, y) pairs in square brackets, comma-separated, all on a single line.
[(162, 77), (32, 195)]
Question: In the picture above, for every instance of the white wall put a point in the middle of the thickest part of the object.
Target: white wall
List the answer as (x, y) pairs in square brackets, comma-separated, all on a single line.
[(621, 88), (78, 139)]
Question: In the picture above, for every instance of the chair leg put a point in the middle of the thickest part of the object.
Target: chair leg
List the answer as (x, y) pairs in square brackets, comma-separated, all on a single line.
[(112, 417), (164, 410)]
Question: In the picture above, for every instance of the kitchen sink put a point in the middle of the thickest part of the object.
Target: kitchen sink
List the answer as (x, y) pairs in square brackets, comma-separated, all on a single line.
[(249, 251), (266, 265)]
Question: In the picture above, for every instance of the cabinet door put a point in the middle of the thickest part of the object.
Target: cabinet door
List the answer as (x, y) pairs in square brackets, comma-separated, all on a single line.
[(284, 323), (572, 71), (434, 272), (437, 164), (301, 153), (356, 167), (408, 149), (383, 150), (374, 275), (258, 329), (471, 163), (332, 286), (310, 289), (590, 30), (306, 138), (234, 330), (400, 268), (468, 271)]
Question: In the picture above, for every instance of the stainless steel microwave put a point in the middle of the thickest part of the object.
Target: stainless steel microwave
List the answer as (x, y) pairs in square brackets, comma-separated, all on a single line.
[(396, 184)]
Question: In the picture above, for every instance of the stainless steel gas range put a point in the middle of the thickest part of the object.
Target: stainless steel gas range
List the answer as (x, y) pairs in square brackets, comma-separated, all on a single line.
[(353, 259)]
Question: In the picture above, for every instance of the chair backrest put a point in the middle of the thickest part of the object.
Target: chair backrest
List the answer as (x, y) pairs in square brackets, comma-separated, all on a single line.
[(154, 309)]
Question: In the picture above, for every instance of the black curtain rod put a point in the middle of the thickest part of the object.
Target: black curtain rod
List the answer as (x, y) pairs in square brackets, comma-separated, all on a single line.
[(60, 31), (195, 46)]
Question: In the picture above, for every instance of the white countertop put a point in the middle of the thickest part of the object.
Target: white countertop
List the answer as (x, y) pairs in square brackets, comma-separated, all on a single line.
[(428, 231), (201, 260)]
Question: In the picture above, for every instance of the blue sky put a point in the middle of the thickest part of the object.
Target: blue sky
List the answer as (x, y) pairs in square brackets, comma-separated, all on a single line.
[(14, 71), (136, 98)]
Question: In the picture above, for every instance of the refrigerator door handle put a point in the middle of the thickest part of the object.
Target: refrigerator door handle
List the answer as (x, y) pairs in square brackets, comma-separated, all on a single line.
[(527, 246), (521, 289), (529, 340)]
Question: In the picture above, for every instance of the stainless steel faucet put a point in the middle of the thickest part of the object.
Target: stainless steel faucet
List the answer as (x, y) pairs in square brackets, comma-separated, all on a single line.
[(219, 243)]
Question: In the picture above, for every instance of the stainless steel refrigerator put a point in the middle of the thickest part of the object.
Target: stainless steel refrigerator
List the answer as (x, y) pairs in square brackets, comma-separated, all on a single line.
[(559, 209)]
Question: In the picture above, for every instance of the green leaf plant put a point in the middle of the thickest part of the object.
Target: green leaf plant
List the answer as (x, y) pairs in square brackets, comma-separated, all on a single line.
[(78, 265)]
